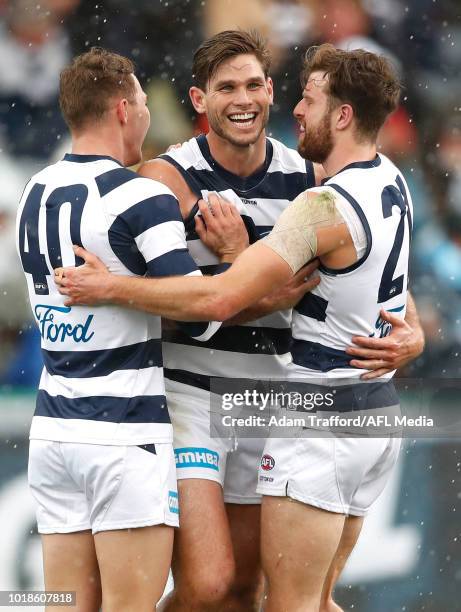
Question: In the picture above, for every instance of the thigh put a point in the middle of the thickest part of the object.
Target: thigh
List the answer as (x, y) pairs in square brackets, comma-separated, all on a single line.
[(62, 506), (70, 564), (383, 460), (298, 543), (349, 537), (203, 545), (134, 566), (198, 455), (126, 486), (242, 471), (245, 528), (320, 469)]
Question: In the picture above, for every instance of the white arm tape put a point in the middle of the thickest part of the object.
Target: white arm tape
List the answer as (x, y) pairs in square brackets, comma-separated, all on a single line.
[(294, 235)]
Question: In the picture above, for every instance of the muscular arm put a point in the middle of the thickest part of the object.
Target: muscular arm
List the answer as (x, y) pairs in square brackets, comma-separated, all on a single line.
[(412, 318), (255, 273), (258, 271), (283, 298), (161, 170)]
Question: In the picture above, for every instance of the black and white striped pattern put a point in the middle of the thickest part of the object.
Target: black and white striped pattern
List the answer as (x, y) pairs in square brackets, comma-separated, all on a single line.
[(259, 349), (103, 376), (347, 302)]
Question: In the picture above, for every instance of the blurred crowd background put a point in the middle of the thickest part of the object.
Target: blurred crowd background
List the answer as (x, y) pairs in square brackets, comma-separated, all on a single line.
[(408, 556), (423, 38)]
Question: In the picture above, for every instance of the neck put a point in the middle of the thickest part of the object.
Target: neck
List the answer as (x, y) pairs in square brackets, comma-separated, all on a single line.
[(241, 161), (98, 141), (344, 154)]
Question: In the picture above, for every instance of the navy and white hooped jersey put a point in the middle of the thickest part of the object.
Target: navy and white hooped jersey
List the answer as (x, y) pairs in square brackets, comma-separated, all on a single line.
[(103, 376), (347, 302), (258, 349)]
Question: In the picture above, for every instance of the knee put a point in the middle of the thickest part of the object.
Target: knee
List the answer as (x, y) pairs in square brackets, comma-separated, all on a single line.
[(247, 592), (208, 586)]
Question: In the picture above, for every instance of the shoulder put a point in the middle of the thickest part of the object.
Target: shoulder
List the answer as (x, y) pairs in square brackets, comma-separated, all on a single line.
[(321, 196), (289, 160), (387, 165), (128, 195), (46, 177), (286, 159), (48, 172), (187, 155), (166, 173), (162, 171)]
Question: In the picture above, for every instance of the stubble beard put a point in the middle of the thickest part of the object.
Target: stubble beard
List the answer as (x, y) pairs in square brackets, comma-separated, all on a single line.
[(317, 143)]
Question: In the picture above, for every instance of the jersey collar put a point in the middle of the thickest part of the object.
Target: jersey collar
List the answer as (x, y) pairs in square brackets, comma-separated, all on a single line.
[(234, 181), (371, 163), (83, 159)]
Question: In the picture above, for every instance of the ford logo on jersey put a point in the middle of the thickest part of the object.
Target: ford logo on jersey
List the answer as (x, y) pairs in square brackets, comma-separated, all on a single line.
[(192, 456), (55, 332)]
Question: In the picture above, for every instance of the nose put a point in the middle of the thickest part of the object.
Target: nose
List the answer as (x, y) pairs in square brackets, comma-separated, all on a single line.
[(241, 97), (297, 111)]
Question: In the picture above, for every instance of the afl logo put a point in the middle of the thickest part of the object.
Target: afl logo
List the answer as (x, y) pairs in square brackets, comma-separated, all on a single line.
[(267, 462)]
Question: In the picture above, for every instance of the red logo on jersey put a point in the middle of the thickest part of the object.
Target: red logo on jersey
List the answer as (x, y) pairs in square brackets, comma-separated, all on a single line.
[(267, 462)]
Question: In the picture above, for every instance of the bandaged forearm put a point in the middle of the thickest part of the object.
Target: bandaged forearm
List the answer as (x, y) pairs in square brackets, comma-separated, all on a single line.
[(294, 235)]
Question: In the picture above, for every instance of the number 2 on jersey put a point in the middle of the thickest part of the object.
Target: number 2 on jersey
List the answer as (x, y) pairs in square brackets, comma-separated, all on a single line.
[(391, 196), (33, 260)]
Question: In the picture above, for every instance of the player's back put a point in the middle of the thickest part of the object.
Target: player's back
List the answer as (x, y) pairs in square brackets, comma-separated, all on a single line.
[(374, 200), (103, 375)]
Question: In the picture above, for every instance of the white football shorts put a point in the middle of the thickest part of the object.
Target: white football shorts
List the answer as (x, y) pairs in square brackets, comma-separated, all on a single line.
[(102, 487), (339, 474), (232, 462)]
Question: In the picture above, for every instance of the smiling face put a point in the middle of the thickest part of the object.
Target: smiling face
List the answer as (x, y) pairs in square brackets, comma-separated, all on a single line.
[(313, 113), (237, 100)]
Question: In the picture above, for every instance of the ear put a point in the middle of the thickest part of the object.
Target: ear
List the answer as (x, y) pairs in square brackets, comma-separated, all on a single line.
[(122, 111), (344, 116), (197, 97), (270, 89)]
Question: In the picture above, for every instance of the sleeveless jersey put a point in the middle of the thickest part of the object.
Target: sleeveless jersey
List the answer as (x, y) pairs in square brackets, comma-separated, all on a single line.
[(103, 377), (258, 349), (347, 302)]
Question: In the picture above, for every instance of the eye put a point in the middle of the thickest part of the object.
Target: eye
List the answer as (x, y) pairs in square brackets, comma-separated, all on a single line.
[(226, 88), (254, 85)]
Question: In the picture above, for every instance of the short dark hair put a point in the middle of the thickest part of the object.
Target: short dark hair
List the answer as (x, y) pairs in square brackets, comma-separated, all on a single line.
[(90, 81), (366, 81), (224, 45)]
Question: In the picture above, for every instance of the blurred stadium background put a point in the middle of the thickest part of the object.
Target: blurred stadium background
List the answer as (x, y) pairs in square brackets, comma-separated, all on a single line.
[(409, 558)]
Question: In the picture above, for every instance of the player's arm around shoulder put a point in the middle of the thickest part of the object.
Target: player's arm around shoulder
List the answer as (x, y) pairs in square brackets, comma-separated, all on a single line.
[(310, 227)]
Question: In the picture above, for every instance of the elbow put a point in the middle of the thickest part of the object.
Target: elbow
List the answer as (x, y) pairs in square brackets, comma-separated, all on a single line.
[(221, 308)]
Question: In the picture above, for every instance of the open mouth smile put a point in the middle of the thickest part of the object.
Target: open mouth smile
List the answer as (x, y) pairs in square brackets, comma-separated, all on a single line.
[(243, 120)]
